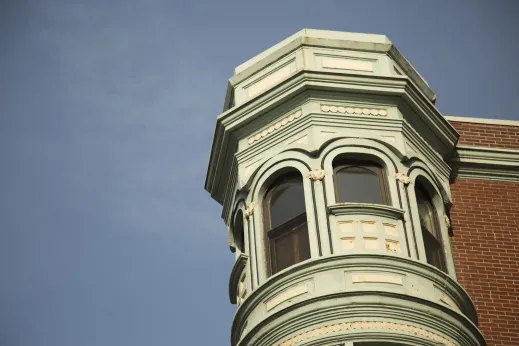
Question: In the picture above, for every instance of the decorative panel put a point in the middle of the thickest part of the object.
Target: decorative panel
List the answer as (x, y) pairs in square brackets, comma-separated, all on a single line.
[(346, 227), (377, 278), (368, 228), (348, 243), (270, 79), (287, 294)]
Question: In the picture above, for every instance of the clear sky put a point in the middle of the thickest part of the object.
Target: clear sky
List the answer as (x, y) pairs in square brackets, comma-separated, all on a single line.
[(107, 112)]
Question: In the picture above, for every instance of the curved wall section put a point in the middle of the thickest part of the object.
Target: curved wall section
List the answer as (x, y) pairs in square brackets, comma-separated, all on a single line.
[(357, 297)]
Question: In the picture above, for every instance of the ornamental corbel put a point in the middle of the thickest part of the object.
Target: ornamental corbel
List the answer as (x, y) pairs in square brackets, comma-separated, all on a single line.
[(403, 178), (249, 210), (317, 174), (447, 221)]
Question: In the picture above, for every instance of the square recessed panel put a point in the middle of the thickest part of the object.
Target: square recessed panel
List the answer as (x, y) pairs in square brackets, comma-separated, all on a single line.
[(346, 227), (371, 243), (369, 226), (393, 246), (348, 243), (390, 229)]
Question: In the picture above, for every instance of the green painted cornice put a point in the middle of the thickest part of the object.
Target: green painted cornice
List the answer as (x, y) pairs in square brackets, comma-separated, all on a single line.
[(367, 301), (331, 39), (486, 163), (485, 121), (366, 209), (427, 120)]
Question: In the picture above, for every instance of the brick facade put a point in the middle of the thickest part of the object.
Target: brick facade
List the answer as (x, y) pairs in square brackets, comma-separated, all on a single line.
[(487, 135), (485, 217)]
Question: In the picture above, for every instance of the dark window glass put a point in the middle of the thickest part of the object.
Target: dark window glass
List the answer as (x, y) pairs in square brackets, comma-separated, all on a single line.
[(285, 221), (359, 183), (287, 201), (238, 231), (430, 229)]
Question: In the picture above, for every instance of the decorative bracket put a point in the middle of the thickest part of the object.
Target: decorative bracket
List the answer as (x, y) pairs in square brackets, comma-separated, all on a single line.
[(249, 210), (447, 221), (403, 178), (317, 174)]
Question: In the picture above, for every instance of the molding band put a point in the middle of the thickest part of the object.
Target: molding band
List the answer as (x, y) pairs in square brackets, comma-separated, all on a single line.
[(354, 110), (274, 127), (486, 163), (367, 325), (366, 209), (482, 121)]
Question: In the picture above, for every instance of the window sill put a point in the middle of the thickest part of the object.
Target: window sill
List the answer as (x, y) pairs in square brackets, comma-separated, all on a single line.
[(366, 209)]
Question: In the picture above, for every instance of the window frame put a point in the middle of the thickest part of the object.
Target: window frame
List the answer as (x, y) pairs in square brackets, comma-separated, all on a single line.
[(369, 165), (423, 194), (271, 234), (239, 237)]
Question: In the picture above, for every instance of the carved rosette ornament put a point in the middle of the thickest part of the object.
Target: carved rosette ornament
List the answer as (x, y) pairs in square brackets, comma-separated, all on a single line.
[(317, 174), (249, 210), (402, 178)]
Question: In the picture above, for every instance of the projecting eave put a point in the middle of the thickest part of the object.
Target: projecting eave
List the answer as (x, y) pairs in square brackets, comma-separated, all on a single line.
[(427, 119)]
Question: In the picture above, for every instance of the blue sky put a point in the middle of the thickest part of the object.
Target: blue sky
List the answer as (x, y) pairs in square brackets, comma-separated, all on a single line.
[(107, 111)]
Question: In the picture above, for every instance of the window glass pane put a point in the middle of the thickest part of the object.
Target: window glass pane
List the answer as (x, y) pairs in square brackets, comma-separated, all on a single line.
[(238, 231), (426, 212), (357, 184), (433, 250), (291, 247), (286, 224), (286, 202), (303, 244), (284, 251), (430, 229)]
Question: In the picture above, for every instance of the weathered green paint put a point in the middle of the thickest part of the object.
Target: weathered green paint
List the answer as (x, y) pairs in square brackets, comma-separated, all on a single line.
[(309, 99)]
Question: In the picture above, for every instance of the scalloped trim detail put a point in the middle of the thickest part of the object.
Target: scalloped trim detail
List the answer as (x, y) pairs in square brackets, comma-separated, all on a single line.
[(267, 131), (354, 110), (366, 325)]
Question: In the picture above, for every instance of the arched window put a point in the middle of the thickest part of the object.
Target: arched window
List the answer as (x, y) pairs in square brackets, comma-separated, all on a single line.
[(238, 231), (285, 223), (431, 231), (359, 181)]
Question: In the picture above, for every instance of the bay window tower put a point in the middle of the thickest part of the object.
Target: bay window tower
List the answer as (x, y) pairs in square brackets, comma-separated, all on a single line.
[(332, 165)]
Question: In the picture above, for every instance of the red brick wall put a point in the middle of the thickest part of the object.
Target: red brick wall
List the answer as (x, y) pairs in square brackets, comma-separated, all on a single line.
[(485, 245), (486, 135)]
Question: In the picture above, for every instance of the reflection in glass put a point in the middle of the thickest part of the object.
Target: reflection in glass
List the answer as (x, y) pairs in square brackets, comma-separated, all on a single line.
[(238, 231), (430, 229), (360, 184), (287, 201), (286, 224)]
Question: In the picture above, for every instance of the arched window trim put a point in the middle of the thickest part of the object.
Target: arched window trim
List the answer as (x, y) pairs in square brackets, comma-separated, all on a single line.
[(383, 153), (421, 175), (239, 239), (434, 234), (368, 163), (271, 234), (259, 184)]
